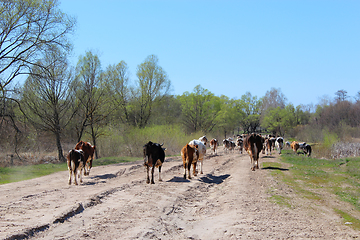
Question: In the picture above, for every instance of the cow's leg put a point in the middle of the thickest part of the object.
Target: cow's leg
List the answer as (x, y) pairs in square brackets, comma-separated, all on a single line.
[(194, 168), (185, 170), (147, 175), (152, 174), (70, 172), (160, 174), (75, 177), (188, 166), (252, 163), (80, 172), (201, 165)]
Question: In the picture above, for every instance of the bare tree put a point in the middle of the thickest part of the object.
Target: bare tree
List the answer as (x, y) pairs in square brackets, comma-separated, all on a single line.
[(341, 95), (47, 96), (28, 29), (273, 99)]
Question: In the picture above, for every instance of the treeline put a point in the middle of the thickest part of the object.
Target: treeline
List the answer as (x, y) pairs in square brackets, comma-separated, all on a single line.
[(59, 104)]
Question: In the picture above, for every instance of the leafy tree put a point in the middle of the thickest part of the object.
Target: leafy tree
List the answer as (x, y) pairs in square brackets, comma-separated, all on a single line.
[(47, 96), (230, 115), (91, 97), (278, 120), (116, 79), (251, 108), (166, 112), (199, 110), (152, 86)]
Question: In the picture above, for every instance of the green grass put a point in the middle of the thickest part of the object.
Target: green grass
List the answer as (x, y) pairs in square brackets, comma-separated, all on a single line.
[(309, 177), (355, 223), (20, 173)]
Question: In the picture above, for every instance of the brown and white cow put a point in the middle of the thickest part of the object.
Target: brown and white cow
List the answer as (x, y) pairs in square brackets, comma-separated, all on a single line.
[(204, 140), (253, 145), (229, 145), (267, 145), (302, 146), (214, 145), (202, 151), (76, 162), (88, 150), (189, 156), (154, 156), (240, 144)]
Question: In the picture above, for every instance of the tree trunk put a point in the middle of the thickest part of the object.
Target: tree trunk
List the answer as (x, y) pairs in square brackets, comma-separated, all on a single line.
[(93, 135), (58, 144)]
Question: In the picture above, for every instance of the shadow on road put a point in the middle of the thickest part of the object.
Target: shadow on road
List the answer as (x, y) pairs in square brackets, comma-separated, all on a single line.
[(209, 178), (105, 176), (178, 179), (275, 168)]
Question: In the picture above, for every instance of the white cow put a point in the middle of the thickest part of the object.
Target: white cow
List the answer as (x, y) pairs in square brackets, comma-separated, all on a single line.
[(202, 151)]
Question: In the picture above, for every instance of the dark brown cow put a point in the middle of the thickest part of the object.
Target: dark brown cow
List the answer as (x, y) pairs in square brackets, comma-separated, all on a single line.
[(88, 150), (214, 145), (189, 155), (253, 145), (154, 156), (75, 162)]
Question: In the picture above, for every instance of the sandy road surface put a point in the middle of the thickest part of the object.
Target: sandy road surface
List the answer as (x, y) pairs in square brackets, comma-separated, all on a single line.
[(228, 201)]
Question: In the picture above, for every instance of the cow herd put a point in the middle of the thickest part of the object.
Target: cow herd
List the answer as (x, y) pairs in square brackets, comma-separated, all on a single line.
[(81, 156)]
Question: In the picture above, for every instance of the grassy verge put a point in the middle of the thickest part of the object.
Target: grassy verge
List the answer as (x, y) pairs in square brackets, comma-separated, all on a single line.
[(20, 173), (317, 179)]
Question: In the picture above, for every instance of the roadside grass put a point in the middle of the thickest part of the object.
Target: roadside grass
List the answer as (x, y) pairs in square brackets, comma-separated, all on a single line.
[(310, 177), (20, 173)]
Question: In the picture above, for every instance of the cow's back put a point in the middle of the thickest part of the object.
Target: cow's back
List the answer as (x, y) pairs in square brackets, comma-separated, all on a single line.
[(201, 147)]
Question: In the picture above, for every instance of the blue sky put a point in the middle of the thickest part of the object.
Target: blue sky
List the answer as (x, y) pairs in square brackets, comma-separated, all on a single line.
[(308, 49)]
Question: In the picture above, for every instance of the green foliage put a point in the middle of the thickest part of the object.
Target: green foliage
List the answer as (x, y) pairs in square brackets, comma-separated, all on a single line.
[(129, 141), (199, 110), (329, 139), (251, 107), (279, 120), (153, 85)]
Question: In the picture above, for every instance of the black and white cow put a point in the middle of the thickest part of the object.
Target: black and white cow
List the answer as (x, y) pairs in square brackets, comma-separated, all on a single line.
[(76, 162), (154, 156)]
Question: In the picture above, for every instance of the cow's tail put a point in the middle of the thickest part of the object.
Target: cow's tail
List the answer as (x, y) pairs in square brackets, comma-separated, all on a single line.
[(255, 151)]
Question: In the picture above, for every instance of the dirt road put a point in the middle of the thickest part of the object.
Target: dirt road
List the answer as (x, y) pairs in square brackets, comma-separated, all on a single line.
[(228, 201)]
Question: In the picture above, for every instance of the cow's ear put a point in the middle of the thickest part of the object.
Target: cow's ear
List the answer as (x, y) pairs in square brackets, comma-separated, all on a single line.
[(196, 146)]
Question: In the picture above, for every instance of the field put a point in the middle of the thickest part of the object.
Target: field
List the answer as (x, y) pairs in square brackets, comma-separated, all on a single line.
[(228, 201)]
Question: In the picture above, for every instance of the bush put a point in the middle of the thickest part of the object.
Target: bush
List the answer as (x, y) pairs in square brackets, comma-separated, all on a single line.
[(129, 141)]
